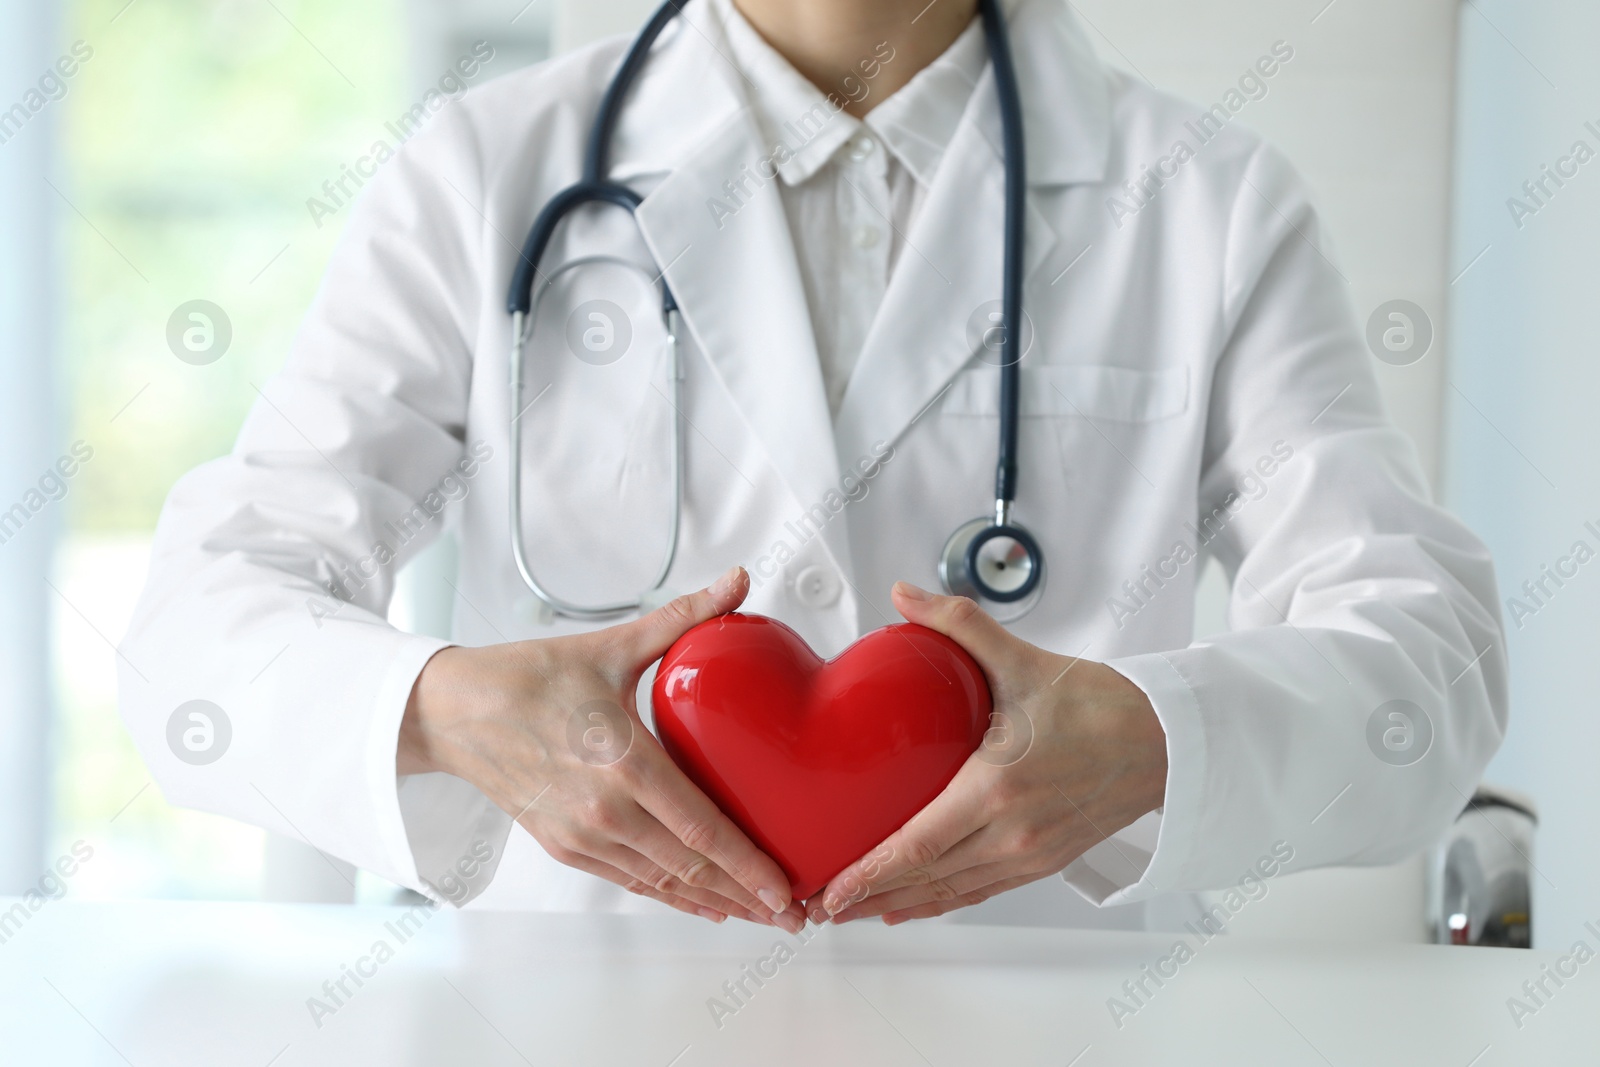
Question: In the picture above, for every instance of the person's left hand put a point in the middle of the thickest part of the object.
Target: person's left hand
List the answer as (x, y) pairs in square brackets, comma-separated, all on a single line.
[(1086, 756)]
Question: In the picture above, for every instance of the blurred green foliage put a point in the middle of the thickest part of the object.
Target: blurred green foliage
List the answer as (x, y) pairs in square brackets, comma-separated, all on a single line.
[(190, 142)]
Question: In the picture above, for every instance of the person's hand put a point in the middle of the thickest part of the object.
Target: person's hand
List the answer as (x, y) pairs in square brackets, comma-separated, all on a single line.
[(1086, 756), (548, 729)]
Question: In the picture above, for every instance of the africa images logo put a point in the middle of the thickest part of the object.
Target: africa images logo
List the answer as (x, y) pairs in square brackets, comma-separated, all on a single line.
[(1399, 733), (199, 732)]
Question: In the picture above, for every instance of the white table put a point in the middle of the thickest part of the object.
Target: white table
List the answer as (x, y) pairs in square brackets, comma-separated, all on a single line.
[(154, 984)]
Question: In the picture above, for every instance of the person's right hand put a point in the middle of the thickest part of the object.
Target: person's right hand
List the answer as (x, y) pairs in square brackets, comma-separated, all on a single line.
[(549, 731)]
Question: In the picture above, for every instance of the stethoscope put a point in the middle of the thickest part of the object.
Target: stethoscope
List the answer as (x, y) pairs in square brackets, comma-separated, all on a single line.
[(992, 559)]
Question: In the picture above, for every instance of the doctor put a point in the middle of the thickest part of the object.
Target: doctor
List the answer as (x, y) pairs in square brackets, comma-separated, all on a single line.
[(823, 192)]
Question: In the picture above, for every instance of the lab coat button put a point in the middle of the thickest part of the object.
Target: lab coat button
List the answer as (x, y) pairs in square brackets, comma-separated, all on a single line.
[(816, 587), (865, 236), (861, 148), (531, 611)]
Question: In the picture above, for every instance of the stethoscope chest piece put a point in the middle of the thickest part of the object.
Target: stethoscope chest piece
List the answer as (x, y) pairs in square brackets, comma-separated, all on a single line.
[(999, 565)]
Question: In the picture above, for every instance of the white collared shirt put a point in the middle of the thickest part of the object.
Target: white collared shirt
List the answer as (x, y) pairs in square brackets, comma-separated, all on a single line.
[(851, 188)]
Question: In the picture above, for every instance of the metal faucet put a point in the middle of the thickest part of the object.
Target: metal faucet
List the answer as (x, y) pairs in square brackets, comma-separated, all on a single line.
[(1480, 873)]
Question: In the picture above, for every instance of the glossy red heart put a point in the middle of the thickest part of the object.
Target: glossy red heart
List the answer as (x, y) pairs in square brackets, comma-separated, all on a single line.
[(818, 761)]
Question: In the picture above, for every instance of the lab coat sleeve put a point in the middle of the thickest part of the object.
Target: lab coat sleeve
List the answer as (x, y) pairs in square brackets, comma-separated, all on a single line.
[(1350, 590), (272, 567)]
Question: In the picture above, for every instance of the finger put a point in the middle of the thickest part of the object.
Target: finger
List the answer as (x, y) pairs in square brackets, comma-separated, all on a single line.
[(966, 900), (604, 870), (585, 847), (695, 871), (932, 832), (643, 873), (631, 871), (938, 890), (688, 813), (974, 850), (647, 639), (961, 620)]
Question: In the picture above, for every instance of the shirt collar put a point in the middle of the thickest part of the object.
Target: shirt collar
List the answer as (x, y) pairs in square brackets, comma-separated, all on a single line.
[(804, 127), (918, 121), (687, 95)]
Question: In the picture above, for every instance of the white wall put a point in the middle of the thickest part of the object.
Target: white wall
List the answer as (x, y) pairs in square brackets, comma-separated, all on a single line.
[(1521, 442), (577, 22), (442, 31)]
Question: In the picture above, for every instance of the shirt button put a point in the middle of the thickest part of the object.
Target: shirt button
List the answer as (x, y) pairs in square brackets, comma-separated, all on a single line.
[(861, 148), (865, 236), (816, 587)]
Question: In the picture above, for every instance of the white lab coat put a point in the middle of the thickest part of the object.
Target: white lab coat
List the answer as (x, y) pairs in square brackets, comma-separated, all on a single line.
[(1196, 379)]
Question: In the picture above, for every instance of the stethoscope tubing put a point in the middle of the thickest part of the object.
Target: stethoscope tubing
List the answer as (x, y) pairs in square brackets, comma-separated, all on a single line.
[(594, 188), (1016, 183)]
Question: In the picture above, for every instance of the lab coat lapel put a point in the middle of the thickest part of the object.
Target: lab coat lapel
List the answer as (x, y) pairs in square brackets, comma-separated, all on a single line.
[(948, 271), (731, 264), (950, 268)]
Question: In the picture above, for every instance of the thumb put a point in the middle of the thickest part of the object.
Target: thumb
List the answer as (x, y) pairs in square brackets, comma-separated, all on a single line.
[(963, 621), (647, 639)]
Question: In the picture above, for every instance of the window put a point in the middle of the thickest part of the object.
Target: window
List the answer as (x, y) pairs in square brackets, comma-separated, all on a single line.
[(191, 139)]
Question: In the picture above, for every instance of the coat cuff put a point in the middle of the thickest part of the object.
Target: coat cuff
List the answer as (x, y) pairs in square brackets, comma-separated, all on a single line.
[(441, 835), (1125, 868), (383, 783)]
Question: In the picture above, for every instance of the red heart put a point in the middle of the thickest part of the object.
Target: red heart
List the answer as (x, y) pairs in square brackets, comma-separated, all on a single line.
[(817, 761)]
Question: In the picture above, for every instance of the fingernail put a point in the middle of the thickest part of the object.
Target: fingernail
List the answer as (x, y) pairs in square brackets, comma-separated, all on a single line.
[(911, 592), (724, 585), (714, 916), (893, 920), (832, 904), (772, 900), (819, 916)]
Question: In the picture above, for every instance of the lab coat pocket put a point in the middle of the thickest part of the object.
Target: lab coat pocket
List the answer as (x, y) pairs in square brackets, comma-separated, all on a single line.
[(1089, 432), (1085, 390)]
